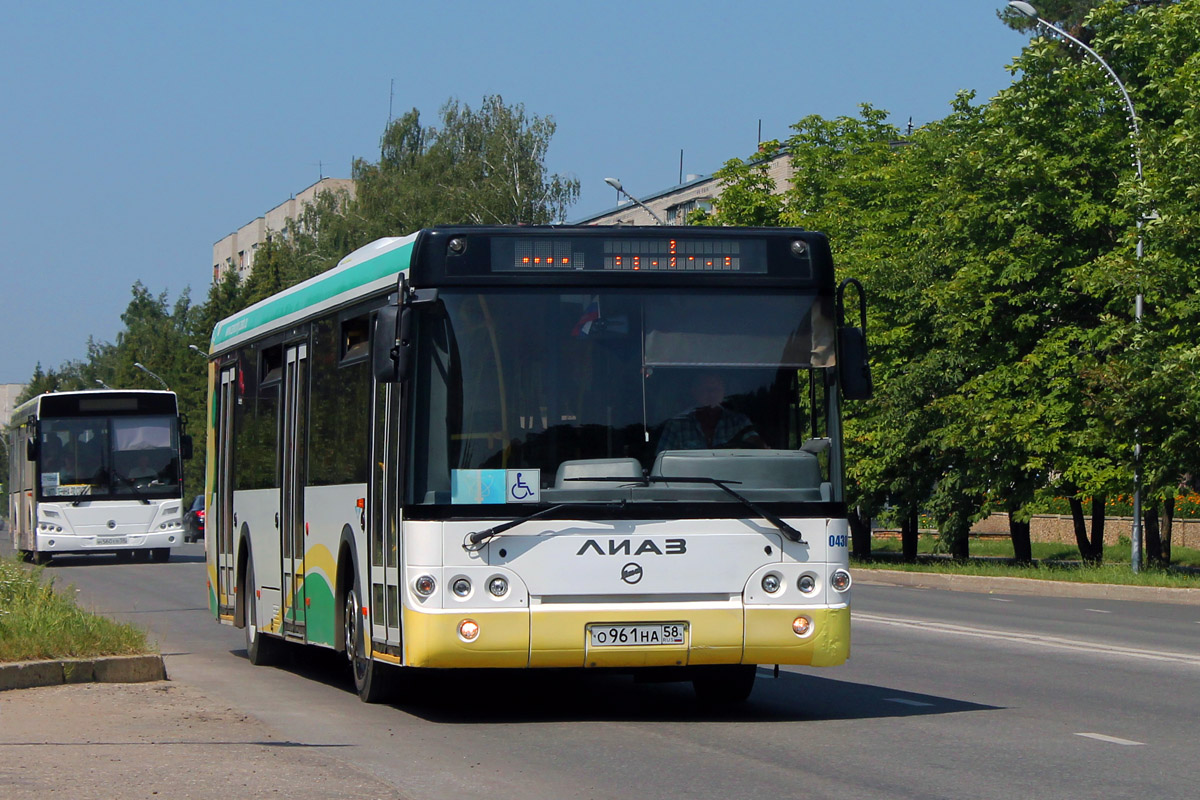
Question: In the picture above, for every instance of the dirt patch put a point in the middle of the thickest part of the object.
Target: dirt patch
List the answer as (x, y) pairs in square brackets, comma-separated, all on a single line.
[(167, 740)]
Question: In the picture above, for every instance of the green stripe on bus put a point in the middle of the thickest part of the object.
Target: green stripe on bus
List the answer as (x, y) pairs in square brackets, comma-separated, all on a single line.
[(320, 289)]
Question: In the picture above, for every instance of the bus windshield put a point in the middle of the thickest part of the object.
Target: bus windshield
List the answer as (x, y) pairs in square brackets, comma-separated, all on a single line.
[(106, 457), (586, 393)]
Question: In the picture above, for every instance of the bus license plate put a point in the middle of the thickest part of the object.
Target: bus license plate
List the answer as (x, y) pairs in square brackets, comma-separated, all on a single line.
[(102, 541), (635, 635)]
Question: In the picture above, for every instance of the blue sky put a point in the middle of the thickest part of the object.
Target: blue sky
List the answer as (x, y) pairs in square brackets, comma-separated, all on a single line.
[(136, 135)]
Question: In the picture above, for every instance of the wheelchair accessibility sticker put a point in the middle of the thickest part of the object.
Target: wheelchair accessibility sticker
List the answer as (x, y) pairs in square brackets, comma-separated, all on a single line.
[(524, 486)]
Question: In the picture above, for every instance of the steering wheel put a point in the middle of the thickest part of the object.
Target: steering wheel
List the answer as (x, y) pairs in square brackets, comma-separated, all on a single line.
[(738, 440)]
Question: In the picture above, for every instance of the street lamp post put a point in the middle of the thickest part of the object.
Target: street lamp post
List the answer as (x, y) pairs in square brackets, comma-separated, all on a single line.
[(195, 349), (152, 375), (1029, 11), (616, 184), (102, 384)]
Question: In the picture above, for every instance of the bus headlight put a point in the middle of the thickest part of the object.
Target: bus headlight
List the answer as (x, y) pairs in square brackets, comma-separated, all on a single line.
[(802, 626), (461, 587), (807, 583), (771, 583), (840, 580), (425, 585), (498, 586)]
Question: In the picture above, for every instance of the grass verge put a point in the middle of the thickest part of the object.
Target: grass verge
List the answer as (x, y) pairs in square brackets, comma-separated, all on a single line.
[(37, 622), (1053, 562)]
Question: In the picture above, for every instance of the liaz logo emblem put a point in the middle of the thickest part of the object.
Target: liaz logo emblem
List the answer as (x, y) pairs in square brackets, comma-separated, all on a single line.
[(631, 573), (624, 547)]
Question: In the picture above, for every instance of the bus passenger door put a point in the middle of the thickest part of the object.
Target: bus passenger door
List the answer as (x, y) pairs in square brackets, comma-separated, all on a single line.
[(291, 497), (384, 533), (222, 511)]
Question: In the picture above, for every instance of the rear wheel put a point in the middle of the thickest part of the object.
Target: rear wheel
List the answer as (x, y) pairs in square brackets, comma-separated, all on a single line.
[(262, 650), (160, 554), (724, 683), (372, 680), (39, 557)]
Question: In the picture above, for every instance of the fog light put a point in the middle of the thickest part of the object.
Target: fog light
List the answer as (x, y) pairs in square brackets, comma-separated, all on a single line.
[(771, 583), (807, 584), (840, 580), (802, 626), (468, 629), (461, 587), (498, 586), (425, 585)]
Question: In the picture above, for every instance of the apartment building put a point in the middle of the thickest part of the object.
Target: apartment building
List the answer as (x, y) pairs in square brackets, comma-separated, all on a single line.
[(236, 251)]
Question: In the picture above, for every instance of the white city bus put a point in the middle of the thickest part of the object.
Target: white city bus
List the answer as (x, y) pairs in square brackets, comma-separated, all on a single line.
[(469, 447), (97, 472)]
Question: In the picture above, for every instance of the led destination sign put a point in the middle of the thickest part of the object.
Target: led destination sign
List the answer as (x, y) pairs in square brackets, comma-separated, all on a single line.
[(628, 254)]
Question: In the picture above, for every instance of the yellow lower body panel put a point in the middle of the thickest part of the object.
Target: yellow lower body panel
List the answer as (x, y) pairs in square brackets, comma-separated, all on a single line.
[(770, 639), (557, 636), (431, 639)]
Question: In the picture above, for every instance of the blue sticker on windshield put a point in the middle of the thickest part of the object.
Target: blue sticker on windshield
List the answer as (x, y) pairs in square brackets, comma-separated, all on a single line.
[(476, 486)]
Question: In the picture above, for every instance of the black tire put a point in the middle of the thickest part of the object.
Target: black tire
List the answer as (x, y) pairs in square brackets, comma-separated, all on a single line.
[(124, 556), (262, 649), (374, 682), (160, 554), (724, 684), (39, 557)]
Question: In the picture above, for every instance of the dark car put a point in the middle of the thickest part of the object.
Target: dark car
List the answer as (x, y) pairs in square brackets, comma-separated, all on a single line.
[(193, 521)]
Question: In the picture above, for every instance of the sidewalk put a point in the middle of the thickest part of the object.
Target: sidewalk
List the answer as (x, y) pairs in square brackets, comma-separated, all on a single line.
[(1025, 586), (119, 741)]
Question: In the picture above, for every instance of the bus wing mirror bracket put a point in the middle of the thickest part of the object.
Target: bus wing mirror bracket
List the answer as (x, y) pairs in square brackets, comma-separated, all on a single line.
[(854, 368), (392, 346)]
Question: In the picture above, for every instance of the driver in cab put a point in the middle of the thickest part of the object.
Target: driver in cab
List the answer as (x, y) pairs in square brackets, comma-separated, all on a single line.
[(709, 425)]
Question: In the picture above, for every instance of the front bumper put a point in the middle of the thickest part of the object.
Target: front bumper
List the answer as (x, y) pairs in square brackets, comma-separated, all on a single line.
[(556, 636)]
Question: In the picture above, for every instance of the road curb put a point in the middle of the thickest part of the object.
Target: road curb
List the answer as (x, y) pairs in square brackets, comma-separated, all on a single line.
[(105, 669), (1026, 586)]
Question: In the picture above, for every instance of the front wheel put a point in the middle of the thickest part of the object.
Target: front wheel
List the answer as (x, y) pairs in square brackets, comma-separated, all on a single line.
[(372, 680), (725, 683)]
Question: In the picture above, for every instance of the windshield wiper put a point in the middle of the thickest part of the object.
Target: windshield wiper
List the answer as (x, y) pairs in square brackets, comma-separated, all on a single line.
[(79, 498), (473, 540), (784, 528), (132, 487)]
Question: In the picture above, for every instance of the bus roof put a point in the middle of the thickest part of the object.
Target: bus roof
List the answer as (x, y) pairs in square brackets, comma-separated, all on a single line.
[(369, 269), (33, 405)]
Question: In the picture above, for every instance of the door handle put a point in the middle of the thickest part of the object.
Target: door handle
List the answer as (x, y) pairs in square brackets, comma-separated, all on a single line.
[(276, 519)]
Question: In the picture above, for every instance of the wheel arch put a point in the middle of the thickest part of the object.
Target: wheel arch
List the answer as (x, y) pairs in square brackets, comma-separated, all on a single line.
[(243, 563), (347, 569)]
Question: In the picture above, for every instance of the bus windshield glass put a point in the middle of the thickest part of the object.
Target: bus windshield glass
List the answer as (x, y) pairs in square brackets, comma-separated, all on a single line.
[(553, 395), (106, 457)]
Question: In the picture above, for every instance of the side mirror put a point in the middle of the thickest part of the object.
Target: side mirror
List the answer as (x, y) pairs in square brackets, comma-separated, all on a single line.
[(185, 446), (854, 369), (391, 345), (31, 449)]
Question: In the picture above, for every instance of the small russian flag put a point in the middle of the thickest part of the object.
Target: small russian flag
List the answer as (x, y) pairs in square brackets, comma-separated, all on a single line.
[(590, 314)]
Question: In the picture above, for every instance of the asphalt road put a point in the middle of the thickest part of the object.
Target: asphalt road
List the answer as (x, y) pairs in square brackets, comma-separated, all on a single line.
[(947, 695)]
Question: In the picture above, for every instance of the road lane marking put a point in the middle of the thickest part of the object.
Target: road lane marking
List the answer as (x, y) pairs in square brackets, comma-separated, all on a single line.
[(1097, 611), (1100, 737), (906, 702), (1000, 599), (1030, 638)]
